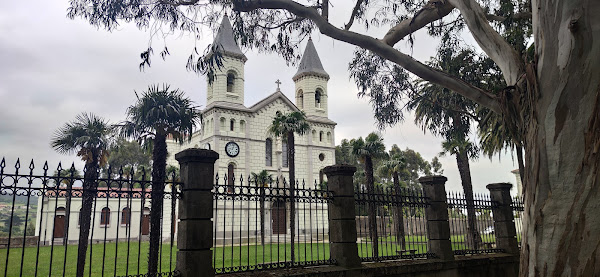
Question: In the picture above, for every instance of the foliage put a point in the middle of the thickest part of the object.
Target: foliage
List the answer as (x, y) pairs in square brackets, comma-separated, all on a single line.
[(128, 156)]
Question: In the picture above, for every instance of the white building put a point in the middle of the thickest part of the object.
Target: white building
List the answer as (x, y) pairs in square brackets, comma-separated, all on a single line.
[(240, 134), (114, 217)]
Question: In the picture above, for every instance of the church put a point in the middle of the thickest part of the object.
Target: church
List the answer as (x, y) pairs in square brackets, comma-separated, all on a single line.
[(240, 134)]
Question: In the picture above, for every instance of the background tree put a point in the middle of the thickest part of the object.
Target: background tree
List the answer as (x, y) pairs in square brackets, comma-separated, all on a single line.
[(262, 180), (159, 113), (436, 166), (551, 102), (285, 125), (366, 150), (90, 137), (394, 166), (129, 156)]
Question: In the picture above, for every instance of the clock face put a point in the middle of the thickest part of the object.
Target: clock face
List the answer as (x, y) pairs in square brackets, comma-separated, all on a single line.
[(232, 149)]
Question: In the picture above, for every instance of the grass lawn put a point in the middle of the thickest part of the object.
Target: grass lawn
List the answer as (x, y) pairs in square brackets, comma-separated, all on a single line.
[(51, 260)]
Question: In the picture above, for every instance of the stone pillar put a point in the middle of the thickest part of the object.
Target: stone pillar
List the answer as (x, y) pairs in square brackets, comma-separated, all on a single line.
[(436, 213), (342, 221), (195, 227), (504, 223)]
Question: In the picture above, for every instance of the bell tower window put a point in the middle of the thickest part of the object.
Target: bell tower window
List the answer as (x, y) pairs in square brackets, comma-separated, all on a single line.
[(318, 95), (230, 81)]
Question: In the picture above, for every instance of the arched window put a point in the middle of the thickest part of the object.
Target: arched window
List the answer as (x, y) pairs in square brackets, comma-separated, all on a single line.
[(269, 152), (300, 99), (284, 153), (222, 123), (232, 125), (329, 137), (318, 95), (242, 126), (230, 177), (321, 136), (230, 81), (105, 216), (314, 134), (125, 216)]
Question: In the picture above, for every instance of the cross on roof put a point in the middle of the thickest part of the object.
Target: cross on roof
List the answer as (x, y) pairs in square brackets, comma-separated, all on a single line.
[(278, 83)]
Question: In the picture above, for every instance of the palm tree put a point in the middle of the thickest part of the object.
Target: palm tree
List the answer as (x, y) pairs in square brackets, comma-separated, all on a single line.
[(464, 150), (366, 150), (159, 113), (285, 125), (394, 166), (89, 136), (262, 180)]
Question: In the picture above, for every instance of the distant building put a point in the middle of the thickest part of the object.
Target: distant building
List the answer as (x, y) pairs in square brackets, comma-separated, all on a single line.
[(116, 217), (519, 182)]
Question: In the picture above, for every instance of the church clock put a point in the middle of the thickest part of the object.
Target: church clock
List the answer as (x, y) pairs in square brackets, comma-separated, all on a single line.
[(232, 149)]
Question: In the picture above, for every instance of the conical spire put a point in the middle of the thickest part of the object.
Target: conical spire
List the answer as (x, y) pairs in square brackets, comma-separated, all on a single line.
[(310, 63), (225, 41)]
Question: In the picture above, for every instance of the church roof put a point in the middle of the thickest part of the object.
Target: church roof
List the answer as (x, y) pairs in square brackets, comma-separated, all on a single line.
[(310, 63), (226, 42)]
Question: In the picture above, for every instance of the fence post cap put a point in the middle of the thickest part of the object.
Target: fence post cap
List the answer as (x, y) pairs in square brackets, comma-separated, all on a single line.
[(436, 179), (197, 155), (499, 186), (339, 169)]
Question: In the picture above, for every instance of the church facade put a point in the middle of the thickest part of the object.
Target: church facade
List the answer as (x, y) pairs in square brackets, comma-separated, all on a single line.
[(240, 134)]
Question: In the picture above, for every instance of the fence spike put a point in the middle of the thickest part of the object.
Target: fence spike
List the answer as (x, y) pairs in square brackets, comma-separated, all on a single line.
[(18, 164), (45, 167)]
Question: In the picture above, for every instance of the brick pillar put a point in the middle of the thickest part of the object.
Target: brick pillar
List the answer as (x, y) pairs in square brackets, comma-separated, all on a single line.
[(436, 213), (504, 223), (195, 227), (342, 221)]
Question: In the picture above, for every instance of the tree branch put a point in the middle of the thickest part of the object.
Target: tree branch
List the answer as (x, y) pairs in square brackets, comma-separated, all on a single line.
[(502, 53), (516, 16), (353, 15), (378, 47), (432, 11)]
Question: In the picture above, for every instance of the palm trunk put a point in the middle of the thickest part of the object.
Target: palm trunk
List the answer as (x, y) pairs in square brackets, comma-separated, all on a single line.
[(372, 212), (159, 154), (473, 237), (292, 168), (399, 215), (520, 161), (90, 185)]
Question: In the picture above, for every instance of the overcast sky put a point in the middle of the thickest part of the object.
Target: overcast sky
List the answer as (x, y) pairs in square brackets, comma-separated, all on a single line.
[(53, 68)]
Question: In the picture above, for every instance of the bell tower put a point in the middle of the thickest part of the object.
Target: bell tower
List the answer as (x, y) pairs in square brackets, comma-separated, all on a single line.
[(311, 83), (228, 85)]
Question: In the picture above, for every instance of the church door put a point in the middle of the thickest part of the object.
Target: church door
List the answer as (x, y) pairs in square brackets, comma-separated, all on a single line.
[(278, 218), (59, 223), (146, 222)]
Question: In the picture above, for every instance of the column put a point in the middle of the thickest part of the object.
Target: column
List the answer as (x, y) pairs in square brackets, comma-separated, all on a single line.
[(436, 213), (504, 223)]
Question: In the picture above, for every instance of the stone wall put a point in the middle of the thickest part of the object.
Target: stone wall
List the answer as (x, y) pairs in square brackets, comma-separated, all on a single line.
[(18, 242)]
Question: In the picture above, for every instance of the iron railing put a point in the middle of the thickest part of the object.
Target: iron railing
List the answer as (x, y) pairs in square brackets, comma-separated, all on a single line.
[(399, 227), (474, 237), (243, 243), (518, 207), (40, 215)]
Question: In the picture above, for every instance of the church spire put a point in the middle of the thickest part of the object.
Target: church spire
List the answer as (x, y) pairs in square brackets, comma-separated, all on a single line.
[(310, 63), (225, 41)]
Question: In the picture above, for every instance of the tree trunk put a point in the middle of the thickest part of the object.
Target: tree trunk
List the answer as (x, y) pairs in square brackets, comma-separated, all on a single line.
[(520, 162), (371, 210), (159, 154), (90, 184), (399, 215), (473, 239), (562, 173), (292, 171)]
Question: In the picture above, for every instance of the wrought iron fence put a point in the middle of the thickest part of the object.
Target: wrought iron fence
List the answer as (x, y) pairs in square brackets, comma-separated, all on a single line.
[(253, 224), (471, 224), (41, 215), (518, 208), (391, 224)]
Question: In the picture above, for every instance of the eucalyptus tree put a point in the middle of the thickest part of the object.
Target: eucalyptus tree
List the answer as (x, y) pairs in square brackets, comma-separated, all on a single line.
[(129, 156), (285, 126), (545, 51), (159, 113), (262, 180), (366, 151), (89, 136)]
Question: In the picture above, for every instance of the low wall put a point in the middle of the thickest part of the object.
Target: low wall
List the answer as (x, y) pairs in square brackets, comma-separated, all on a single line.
[(493, 265), (18, 242)]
